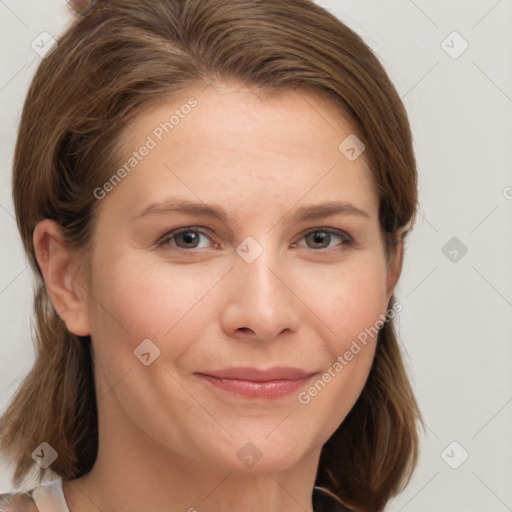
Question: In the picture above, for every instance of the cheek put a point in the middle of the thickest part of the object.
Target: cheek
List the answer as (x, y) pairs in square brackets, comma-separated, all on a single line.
[(352, 303), (353, 312), (134, 301), (149, 299)]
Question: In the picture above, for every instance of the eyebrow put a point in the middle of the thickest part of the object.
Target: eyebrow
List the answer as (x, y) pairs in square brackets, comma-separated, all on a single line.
[(302, 214)]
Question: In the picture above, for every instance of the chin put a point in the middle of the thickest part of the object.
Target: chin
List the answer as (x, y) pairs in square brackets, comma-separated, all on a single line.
[(260, 455)]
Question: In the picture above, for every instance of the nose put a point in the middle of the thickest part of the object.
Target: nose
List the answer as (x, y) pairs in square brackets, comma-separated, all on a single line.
[(261, 303)]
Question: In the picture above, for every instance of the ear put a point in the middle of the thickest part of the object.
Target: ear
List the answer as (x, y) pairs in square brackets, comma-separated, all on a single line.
[(60, 268), (394, 265)]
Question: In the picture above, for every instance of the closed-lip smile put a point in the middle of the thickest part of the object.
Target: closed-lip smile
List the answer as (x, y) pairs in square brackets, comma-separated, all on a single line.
[(253, 382)]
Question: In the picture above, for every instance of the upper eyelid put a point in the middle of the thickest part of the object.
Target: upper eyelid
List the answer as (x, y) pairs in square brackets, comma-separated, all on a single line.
[(328, 230)]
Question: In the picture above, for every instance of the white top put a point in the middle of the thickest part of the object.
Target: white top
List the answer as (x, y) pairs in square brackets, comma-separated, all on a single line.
[(49, 497)]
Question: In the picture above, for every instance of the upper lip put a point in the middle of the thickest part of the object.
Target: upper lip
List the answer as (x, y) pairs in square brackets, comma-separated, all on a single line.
[(260, 375)]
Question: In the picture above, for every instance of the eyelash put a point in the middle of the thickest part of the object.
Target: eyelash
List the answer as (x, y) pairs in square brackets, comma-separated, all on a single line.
[(167, 238)]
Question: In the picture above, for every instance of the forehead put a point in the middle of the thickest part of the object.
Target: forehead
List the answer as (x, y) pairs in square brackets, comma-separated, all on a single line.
[(227, 143)]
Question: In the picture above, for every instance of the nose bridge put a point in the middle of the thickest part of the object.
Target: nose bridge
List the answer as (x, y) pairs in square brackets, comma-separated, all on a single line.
[(260, 299), (257, 264)]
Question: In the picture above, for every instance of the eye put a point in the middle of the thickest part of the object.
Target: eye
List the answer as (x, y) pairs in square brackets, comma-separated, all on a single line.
[(190, 238), (184, 238), (321, 238)]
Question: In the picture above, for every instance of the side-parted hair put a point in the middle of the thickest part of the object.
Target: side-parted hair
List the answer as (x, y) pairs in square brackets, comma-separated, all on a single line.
[(126, 56)]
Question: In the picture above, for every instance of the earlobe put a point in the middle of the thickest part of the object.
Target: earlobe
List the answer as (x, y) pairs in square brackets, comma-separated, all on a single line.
[(59, 266)]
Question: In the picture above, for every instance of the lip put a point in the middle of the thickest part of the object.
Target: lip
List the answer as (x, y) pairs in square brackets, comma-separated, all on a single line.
[(258, 383)]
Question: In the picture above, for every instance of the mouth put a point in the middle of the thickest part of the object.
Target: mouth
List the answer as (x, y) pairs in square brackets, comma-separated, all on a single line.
[(256, 383)]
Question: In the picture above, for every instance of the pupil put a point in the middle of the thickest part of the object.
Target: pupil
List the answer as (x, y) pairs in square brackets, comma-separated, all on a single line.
[(189, 237), (320, 237)]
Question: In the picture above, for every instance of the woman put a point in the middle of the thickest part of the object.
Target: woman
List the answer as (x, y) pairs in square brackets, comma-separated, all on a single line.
[(214, 197)]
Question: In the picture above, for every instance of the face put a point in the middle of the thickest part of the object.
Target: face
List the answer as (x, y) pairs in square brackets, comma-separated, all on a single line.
[(234, 267)]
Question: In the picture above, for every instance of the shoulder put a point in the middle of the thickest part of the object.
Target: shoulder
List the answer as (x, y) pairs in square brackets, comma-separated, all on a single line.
[(17, 502)]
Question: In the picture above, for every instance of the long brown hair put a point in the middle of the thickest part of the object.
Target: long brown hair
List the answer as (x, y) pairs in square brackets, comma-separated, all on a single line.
[(106, 68)]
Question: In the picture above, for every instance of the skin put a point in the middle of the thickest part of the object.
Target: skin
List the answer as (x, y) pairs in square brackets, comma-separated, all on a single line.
[(169, 440)]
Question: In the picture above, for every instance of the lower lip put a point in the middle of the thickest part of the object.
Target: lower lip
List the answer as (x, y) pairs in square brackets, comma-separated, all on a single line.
[(254, 389)]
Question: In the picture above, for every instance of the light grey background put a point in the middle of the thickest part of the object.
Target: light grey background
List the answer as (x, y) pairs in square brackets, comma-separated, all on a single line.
[(456, 324)]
